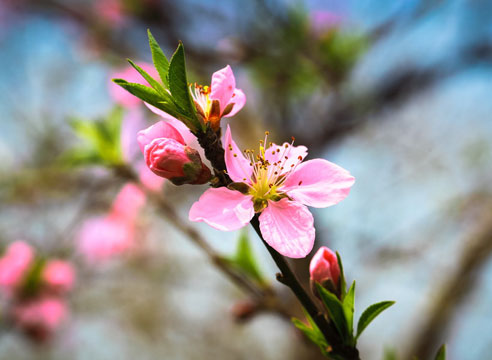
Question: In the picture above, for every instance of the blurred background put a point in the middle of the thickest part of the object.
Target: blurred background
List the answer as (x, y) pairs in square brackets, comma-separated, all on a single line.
[(397, 92)]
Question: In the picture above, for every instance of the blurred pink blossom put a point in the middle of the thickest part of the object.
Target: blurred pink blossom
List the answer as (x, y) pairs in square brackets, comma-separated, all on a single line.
[(14, 265), (123, 97), (103, 237), (40, 317), (110, 11), (59, 275), (322, 21)]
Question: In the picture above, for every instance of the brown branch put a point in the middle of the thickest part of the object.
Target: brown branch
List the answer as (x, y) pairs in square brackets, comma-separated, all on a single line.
[(454, 292)]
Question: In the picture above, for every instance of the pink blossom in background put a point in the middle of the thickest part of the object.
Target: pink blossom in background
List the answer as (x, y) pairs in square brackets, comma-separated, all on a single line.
[(59, 275), (133, 122), (279, 186), (14, 265), (110, 11), (102, 238), (128, 202), (123, 97), (324, 266), (167, 155), (322, 22), (40, 317)]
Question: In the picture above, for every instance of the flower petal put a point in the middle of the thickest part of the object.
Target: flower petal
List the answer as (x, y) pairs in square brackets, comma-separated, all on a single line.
[(223, 209), (318, 183), (187, 135), (238, 167), (156, 131), (278, 153), (239, 99), (223, 86), (288, 227)]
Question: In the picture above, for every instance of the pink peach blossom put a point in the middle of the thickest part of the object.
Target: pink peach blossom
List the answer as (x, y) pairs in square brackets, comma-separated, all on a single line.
[(167, 155), (323, 21), (111, 11), (14, 265), (278, 185), (59, 275), (221, 99), (128, 202), (102, 238), (40, 316), (324, 266), (123, 97)]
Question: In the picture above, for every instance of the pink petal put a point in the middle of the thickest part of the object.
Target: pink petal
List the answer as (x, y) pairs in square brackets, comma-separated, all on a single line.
[(319, 183), (288, 227), (156, 131), (148, 178), (223, 209), (187, 135), (239, 99), (223, 86), (128, 202), (294, 154), (132, 123), (238, 167)]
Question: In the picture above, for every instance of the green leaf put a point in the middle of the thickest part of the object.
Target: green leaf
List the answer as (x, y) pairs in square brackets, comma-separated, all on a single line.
[(31, 283), (80, 157), (335, 310), (178, 84), (441, 353), (154, 83), (313, 333), (343, 283), (370, 314), (348, 309), (245, 260), (390, 354), (160, 61), (143, 92)]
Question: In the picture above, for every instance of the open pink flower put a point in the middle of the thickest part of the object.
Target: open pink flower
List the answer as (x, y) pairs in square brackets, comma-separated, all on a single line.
[(59, 276), (277, 184), (167, 155), (324, 266), (128, 202), (14, 265), (220, 99)]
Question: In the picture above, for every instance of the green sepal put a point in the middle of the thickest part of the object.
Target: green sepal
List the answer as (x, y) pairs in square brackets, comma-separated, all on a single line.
[(32, 281), (335, 311), (370, 314), (313, 333), (441, 353), (348, 309), (160, 61)]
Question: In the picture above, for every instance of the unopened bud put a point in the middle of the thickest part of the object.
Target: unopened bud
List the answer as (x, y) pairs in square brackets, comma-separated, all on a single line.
[(325, 270)]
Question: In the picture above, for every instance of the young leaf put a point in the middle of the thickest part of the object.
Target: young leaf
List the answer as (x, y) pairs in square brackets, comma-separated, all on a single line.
[(348, 308), (245, 259), (370, 314), (441, 353), (160, 61), (335, 310), (178, 84), (154, 83), (143, 92), (343, 283), (312, 333)]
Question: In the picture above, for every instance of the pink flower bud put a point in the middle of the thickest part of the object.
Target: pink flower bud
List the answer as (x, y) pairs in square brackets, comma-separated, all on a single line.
[(324, 267), (59, 275), (14, 265), (167, 155)]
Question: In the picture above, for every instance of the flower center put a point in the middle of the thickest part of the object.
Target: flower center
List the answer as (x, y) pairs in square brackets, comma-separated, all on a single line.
[(201, 97), (272, 166)]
